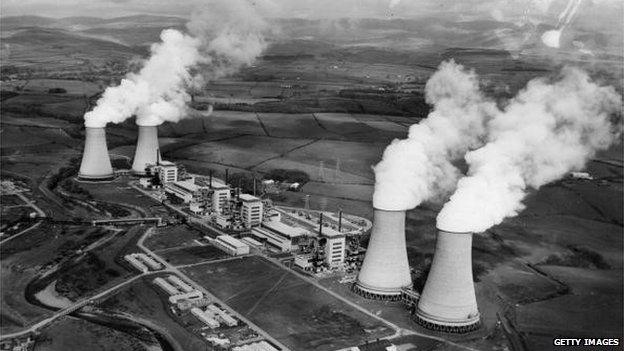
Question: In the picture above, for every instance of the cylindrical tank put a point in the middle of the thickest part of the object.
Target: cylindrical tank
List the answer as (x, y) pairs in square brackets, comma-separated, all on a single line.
[(448, 302), (146, 149), (385, 270), (96, 163)]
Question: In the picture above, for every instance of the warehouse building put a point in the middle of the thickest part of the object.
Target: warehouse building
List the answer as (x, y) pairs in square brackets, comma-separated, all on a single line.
[(205, 318), (231, 245), (283, 236), (166, 286)]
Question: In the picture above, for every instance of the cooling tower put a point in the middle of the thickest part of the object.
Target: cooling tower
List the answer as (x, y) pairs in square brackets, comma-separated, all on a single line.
[(448, 302), (96, 163), (385, 270), (146, 150)]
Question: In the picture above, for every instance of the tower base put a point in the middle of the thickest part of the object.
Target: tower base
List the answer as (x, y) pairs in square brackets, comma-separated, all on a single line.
[(453, 327), (375, 294), (90, 178)]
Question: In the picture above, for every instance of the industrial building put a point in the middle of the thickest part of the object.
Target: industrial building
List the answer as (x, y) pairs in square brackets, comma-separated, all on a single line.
[(95, 163), (166, 171), (385, 270), (448, 302), (231, 245), (142, 262), (334, 248), (192, 295), (222, 315), (252, 242), (283, 236), (136, 263), (146, 152), (182, 285), (206, 318), (251, 210), (166, 286)]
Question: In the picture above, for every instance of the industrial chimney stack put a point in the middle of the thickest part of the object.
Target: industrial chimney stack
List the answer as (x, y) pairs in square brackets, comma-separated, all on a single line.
[(96, 163), (448, 302), (146, 150), (385, 270)]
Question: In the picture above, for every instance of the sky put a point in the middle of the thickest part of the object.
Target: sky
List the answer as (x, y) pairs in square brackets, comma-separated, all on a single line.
[(593, 12), (281, 8)]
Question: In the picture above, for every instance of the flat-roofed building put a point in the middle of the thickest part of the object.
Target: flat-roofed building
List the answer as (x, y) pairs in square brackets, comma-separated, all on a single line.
[(205, 318), (285, 237), (192, 295), (223, 316), (166, 286), (231, 245), (149, 261), (180, 283), (252, 242), (251, 210), (136, 263)]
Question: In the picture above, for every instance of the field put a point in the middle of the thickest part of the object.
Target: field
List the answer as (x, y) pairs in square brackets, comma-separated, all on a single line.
[(295, 312), (61, 335)]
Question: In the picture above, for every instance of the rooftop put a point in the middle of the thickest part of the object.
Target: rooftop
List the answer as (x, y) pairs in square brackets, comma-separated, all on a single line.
[(248, 198), (284, 228), (232, 241)]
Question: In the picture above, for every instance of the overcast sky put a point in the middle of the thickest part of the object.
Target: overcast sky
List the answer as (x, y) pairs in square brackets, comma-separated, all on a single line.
[(506, 10)]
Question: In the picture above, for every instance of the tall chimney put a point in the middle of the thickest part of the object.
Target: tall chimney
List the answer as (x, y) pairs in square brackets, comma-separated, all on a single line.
[(448, 302), (385, 270), (146, 149), (96, 163)]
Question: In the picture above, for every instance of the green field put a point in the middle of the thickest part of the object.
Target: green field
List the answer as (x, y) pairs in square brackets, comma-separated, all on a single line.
[(292, 310)]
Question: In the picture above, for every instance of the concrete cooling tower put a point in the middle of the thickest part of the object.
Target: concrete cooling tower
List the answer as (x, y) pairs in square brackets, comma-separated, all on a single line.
[(146, 150), (96, 163), (385, 270), (448, 302)]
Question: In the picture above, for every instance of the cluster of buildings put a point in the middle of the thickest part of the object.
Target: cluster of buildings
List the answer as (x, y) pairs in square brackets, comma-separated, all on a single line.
[(186, 297), (142, 262)]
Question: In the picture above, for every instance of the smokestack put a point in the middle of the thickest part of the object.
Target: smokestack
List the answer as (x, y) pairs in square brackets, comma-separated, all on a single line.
[(226, 175), (321, 224), (210, 178), (146, 149), (448, 302), (385, 270), (96, 163), (340, 221)]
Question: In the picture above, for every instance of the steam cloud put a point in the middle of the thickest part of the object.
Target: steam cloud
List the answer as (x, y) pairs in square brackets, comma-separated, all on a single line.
[(224, 37), (420, 167), (546, 131)]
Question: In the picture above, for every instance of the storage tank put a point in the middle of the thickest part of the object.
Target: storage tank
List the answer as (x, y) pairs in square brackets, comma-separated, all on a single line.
[(95, 163), (385, 270), (448, 302)]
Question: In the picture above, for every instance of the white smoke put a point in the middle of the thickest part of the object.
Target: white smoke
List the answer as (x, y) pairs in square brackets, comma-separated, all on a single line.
[(546, 131), (419, 168), (552, 38), (225, 36)]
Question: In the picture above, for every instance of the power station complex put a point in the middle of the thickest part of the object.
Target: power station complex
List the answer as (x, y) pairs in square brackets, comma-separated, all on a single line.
[(447, 302)]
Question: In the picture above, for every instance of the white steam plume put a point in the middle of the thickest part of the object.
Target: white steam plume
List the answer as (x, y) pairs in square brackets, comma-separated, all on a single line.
[(419, 168), (546, 131), (552, 38), (224, 37)]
